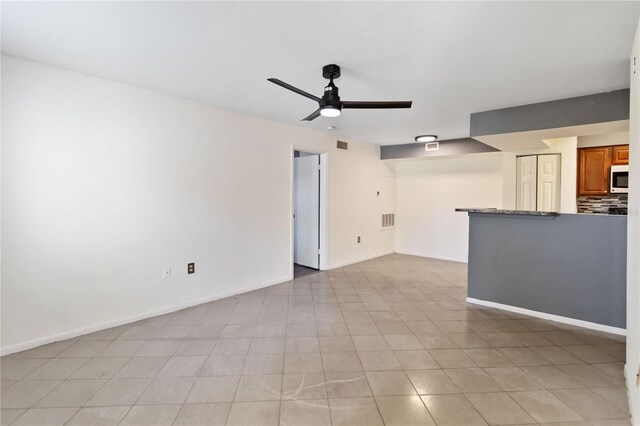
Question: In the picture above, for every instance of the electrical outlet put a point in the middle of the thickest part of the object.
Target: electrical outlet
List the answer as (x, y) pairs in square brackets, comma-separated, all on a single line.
[(191, 268), (358, 239), (166, 272)]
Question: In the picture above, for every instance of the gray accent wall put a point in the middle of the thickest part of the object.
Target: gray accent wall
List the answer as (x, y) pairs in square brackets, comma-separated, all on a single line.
[(572, 265), (447, 147), (590, 109)]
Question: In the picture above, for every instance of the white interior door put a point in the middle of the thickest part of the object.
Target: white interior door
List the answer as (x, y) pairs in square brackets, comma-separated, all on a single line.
[(549, 183), (526, 181), (306, 210)]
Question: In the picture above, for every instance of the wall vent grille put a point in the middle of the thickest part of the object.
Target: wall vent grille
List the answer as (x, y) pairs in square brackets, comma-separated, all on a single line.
[(432, 146), (342, 145), (388, 220)]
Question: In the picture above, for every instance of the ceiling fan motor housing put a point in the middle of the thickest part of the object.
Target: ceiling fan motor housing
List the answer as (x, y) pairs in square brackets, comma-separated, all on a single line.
[(331, 96)]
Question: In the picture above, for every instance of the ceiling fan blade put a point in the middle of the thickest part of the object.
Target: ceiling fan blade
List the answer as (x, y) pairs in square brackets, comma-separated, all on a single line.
[(376, 104), (312, 116), (293, 89)]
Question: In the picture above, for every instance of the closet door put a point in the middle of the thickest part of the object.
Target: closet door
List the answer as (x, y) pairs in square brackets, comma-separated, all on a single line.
[(548, 183), (306, 204), (526, 180)]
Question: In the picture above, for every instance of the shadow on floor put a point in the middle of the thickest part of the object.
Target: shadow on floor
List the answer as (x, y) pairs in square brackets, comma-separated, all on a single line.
[(301, 271)]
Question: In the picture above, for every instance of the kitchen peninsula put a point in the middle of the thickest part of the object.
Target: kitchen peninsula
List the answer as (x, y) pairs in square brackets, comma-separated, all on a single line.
[(566, 267)]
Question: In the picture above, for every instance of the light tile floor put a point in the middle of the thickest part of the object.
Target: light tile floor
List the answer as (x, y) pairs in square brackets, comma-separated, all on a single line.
[(388, 341)]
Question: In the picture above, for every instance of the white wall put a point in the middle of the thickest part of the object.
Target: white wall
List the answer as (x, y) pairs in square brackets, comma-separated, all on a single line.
[(633, 239), (354, 207), (605, 139), (428, 192), (104, 184), (509, 176)]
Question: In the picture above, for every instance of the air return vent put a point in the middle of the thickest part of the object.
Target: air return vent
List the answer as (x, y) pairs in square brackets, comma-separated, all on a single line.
[(388, 220), (432, 146), (343, 145)]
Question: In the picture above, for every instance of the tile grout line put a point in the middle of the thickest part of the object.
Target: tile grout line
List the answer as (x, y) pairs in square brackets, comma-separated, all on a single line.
[(392, 294)]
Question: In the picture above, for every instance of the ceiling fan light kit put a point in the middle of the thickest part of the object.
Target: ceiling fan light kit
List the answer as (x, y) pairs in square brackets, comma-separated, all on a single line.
[(330, 105), (329, 111)]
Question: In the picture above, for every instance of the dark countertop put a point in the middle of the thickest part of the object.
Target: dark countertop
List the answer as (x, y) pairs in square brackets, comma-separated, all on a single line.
[(506, 212)]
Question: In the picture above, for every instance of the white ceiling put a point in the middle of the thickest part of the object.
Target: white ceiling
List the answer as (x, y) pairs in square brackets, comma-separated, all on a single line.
[(450, 58)]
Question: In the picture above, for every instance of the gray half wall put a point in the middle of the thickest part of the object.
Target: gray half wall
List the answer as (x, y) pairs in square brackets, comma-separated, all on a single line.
[(447, 147), (590, 109), (572, 265)]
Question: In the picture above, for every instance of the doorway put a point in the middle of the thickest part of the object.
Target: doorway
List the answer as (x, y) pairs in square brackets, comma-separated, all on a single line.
[(306, 212), (538, 182)]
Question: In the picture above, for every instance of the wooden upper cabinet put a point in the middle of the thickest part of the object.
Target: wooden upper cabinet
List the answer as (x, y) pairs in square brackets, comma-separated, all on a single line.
[(620, 154), (593, 170)]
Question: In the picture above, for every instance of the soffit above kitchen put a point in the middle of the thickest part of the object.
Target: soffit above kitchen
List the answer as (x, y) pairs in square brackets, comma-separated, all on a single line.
[(532, 126), (535, 139), (450, 58)]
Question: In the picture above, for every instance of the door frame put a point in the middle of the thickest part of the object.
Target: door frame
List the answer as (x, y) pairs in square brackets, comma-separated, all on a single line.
[(324, 205)]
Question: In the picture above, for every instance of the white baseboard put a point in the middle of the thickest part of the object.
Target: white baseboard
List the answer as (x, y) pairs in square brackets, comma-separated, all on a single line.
[(18, 347), (551, 317), (630, 380), (430, 256), (351, 262)]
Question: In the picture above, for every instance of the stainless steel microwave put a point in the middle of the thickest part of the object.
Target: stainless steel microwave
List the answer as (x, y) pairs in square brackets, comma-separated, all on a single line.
[(619, 179)]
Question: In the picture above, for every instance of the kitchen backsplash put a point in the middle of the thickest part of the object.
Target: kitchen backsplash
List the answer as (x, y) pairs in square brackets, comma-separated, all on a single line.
[(601, 203)]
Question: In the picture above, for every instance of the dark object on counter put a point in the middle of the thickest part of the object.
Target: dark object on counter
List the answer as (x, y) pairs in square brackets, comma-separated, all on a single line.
[(618, 211)]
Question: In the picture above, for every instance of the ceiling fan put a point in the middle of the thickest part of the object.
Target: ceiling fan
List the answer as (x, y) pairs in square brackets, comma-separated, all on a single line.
[(330, 105)]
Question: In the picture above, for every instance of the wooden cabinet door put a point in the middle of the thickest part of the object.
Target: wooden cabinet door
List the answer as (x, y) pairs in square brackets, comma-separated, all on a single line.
[(593, 170), (620, 154)]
